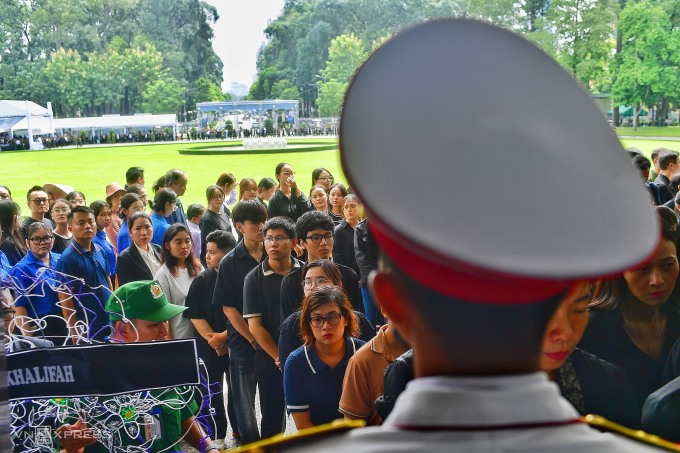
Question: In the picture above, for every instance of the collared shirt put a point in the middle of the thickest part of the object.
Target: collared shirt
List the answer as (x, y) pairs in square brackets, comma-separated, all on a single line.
[(432, 415), (150, 259), (86, 273), (102, 240), (176, 289), (160, 225), (312, 386), (178, 215), (123, 241), (281, 205), (262, 296), (229, 292), (35, 293), (364, 379)]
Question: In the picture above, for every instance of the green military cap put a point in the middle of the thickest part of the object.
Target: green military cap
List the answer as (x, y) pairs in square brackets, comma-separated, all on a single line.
[(141, 300)]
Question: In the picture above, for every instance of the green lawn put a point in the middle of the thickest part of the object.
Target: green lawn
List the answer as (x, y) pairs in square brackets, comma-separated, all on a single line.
[(91, 169), (670, 131), (647, 146)]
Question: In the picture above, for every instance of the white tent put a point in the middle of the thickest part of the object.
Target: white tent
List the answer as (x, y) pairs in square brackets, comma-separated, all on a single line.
[(28, 116)]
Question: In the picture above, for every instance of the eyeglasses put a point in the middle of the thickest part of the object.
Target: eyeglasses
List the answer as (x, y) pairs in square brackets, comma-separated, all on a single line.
[(333, 319), (288, 173), (326, 178), (277, 239), (316, 238), (217, 197), (319, 281), (39, 240), (61, 210), (39, 200)]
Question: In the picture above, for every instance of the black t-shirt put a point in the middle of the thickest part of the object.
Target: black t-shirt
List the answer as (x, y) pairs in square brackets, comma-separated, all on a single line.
[(199, 302), (229, 293), (281, 205), (60, 243), (262, 296), (292, 292)]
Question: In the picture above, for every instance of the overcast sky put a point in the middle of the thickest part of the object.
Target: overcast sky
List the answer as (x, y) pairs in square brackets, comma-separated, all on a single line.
[(239, 33)]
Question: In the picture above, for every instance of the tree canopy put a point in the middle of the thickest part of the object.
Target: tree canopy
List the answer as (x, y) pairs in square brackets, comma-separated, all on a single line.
[(93, 57)]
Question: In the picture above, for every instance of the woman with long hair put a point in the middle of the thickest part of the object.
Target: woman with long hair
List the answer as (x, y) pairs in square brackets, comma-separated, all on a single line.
[(634, 320), (103, 216), (247, 189), (62, 236), (314, 372), (76, 198), (12, 243), (343, 245), (288, 201), (164, 204), (336, 197), (322, 177), (142, 259), (175, 275), (318, 198)]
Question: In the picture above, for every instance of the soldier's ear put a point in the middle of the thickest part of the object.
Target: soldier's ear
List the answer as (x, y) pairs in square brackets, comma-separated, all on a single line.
[(394, 300)]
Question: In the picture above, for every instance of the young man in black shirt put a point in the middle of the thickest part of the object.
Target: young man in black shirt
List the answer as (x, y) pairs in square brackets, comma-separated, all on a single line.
[(262, 309), (248, 217)]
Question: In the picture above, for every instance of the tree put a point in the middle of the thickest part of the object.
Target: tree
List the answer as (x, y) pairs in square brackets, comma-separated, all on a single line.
[(206, 91), (284, 89), (163, 96), (331, 95), (648, 62), (585, 37), (345, 54)]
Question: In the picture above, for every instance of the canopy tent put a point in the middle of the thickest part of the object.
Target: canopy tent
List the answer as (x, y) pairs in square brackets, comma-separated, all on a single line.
[(28, 116), (121, 124), (627, 111)]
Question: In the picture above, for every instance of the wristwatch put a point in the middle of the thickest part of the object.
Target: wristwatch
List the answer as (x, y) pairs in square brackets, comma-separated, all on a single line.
[(213, 447)]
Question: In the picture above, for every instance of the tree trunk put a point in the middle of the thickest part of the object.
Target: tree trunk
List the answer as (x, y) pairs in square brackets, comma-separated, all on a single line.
[(636, 112)]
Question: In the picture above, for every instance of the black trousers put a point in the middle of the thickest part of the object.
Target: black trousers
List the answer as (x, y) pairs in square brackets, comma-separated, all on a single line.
[(272, 403), (218, 371)]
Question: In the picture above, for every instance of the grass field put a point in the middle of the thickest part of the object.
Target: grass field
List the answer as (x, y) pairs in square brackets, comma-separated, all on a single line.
[(671, 131), (91, 169)]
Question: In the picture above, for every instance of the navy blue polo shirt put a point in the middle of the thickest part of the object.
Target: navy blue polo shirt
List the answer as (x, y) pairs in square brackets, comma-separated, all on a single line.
[(229, 293), (42, 298), (90, 285), (262, 296), (312, 386)]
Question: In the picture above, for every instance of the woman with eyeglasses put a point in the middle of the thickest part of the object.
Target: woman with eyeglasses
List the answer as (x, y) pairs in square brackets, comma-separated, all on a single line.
[(12, 243), (37, 313), (164, 204), (336, 197), (313, 374), (322, 177), (288, 201), (62, 236), (215, 217)]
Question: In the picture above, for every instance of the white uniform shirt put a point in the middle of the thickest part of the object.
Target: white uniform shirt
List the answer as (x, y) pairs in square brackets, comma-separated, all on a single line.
[(467, 414)]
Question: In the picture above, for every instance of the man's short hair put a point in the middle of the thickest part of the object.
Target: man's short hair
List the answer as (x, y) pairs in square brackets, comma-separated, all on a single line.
[(252, 210), (656, 152), (76, 210), (133, 174), (195, 210), (173, 176), (33, 189), (666, 158), (223, 240), (134, 188), (280, 223), (641, 163), (313, 220)]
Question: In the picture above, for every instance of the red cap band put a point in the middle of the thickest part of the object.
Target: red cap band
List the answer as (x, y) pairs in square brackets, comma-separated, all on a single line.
[(461, 280)]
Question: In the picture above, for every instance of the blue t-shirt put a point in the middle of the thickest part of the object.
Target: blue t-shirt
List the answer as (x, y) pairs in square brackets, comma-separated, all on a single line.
[(312, 386), (160, 225), (90, 286), (41, 299), (102, 241), (4, 268), (123, 240)]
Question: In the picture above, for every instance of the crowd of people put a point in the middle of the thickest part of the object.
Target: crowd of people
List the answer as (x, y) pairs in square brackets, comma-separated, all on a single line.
[(275, 288)]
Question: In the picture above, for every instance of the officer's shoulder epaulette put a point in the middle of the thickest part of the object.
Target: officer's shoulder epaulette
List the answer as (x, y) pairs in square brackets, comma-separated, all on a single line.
[(302, 437), (605, 425)]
